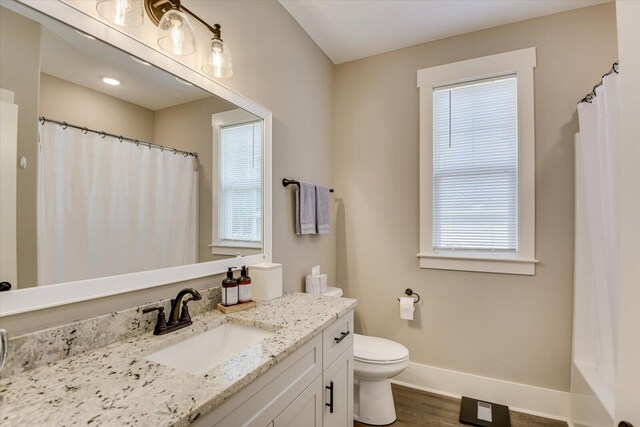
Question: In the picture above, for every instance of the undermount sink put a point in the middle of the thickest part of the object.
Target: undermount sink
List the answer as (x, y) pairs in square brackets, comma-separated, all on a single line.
[(199, 354)]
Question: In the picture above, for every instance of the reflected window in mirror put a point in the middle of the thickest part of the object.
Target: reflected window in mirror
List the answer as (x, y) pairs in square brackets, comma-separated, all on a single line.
[(238, 142)]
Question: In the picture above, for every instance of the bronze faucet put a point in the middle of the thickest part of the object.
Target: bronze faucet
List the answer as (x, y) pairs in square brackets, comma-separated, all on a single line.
[(178, 319)]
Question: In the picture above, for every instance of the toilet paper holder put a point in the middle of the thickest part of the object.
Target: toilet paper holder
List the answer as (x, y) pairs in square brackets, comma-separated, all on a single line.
[(409, 292)]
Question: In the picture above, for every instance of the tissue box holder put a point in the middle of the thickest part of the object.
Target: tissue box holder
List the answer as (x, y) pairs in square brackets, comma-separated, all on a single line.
[(316, 285), (266, 280)]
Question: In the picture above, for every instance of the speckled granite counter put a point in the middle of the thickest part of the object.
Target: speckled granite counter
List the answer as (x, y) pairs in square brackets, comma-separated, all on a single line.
[(116, 385)]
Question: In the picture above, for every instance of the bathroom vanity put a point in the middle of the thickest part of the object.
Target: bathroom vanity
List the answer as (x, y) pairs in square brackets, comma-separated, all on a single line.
[(301, 374)]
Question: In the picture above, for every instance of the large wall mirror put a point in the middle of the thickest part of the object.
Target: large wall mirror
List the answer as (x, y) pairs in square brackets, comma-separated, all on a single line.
[(117, 173)]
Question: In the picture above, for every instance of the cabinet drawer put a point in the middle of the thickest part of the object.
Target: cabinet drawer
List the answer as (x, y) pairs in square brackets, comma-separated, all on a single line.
[(336, 339)]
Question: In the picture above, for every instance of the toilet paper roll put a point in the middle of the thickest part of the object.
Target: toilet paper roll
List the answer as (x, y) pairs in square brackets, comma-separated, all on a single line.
[(407, 308)]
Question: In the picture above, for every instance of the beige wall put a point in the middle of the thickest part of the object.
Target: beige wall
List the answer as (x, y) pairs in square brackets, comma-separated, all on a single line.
[(280, 67), (65, 101), (20, 73), (188, 126), (515, 328)]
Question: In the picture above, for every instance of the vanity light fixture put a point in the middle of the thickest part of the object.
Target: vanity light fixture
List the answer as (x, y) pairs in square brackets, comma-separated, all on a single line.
[(111, 81), (175, 35), (175, 32), (125, 13)]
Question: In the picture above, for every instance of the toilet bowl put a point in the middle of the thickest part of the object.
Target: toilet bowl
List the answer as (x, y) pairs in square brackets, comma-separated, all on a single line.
[(375, 361)]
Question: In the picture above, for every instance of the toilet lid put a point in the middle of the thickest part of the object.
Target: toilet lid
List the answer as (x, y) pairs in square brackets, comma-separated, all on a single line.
[(378, 349)]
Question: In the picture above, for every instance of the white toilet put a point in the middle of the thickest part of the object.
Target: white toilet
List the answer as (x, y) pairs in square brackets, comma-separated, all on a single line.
[(375, 361)]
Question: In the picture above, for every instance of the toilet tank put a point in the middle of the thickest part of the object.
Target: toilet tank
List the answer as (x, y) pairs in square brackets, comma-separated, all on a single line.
[(333, 292)]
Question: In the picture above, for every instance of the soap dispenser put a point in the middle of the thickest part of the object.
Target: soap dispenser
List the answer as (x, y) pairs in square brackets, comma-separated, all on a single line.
[(244, 285), (229, 289)]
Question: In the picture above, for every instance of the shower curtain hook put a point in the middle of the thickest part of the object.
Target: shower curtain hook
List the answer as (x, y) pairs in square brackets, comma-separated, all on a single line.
[(85, 130), (102, 134), (41, 120), (149, 146), (162, 149), (64, 125), (137, 143), (120, 138), (175, 151)]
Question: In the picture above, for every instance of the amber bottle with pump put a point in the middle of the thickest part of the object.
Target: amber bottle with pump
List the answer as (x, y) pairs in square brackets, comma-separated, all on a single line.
[(229, 289), (244, 285)]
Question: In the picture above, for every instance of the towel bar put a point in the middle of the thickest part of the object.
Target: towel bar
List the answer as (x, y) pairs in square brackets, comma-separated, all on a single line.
[(286, 182)]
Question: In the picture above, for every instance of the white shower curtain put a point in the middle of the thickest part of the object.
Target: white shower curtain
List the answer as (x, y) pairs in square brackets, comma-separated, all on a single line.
[(107, 207), (599, 170)]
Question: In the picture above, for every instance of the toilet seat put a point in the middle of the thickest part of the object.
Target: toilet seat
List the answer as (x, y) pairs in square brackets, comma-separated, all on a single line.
[(377, 350)]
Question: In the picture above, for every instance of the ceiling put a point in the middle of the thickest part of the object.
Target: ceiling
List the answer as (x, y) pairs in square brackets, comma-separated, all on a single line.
[(352, 29)]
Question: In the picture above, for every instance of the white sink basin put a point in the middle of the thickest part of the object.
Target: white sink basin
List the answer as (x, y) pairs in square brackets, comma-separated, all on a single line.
[(199, 354)]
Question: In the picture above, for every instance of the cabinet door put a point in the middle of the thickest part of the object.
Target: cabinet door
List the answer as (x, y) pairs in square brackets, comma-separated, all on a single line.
[(305, 410), (338, 391)]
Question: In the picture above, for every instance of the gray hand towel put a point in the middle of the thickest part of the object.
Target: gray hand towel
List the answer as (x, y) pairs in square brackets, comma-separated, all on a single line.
[(305, 208), (323, 212)]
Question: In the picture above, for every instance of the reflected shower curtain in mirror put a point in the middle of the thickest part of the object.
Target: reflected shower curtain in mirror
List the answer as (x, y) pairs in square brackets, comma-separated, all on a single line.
[(599, 186), (107, 207)]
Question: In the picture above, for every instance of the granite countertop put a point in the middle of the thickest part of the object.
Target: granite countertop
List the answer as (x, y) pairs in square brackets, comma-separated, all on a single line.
[(116, 385)]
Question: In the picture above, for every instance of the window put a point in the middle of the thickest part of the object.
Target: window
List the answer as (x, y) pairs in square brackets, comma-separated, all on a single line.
[(477, 165), (240, 184)]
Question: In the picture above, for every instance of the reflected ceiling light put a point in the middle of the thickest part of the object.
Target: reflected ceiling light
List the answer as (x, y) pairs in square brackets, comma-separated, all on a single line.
[(139, 61), (184, 82), (125, 13), (111, 81), (85, 35), (219, 64)]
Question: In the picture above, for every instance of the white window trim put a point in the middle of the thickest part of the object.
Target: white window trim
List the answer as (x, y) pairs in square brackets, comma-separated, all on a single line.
[(519, 62), (219, 247)]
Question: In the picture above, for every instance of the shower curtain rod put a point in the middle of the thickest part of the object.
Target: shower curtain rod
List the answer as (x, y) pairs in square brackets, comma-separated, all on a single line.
[(84, 129), (592, 94)]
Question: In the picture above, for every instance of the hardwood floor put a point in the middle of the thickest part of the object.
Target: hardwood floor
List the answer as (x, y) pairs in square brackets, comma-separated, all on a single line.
[(419, 408)]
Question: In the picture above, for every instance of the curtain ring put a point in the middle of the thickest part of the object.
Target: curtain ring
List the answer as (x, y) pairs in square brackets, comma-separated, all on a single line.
[(41, 120), (85, 130), (120, 138), (102, 134), (64, 125)]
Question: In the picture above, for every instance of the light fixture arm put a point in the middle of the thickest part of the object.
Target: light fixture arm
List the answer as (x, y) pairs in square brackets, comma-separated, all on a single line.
[(155, 10)]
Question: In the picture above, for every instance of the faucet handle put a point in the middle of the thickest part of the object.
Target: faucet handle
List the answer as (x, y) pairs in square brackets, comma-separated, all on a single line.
[(161, 322), (184, 314)]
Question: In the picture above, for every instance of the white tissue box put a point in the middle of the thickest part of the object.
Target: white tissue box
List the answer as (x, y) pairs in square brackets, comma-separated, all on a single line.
[(316, 285), (266, 281)]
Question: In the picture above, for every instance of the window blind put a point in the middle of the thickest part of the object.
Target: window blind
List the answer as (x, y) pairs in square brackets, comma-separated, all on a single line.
[(240, 183), (475, 166)]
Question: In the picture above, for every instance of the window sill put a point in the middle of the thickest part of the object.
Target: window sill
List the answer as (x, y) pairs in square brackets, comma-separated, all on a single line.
[(484, 263), (236, 249)]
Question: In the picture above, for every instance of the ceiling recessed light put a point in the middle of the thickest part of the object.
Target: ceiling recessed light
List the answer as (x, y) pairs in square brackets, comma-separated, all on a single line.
[(184, 82), (111, 81), (139, 61), (85, 35)]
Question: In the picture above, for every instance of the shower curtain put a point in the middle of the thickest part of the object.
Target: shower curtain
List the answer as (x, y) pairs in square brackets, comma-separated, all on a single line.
[(107, 207), (598, 172)]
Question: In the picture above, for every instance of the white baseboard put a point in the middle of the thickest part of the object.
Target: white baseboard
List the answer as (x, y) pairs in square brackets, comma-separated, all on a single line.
[(529, 399)]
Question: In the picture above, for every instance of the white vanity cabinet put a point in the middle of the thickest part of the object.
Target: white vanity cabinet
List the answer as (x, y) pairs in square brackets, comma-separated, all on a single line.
[(312, 387)]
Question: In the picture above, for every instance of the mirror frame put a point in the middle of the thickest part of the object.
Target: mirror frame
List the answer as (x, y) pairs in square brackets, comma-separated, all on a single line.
[(38, 298)]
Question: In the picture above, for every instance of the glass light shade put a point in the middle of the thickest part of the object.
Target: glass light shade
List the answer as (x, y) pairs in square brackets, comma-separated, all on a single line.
[(220, 63), (175, 34), (125, 13)]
